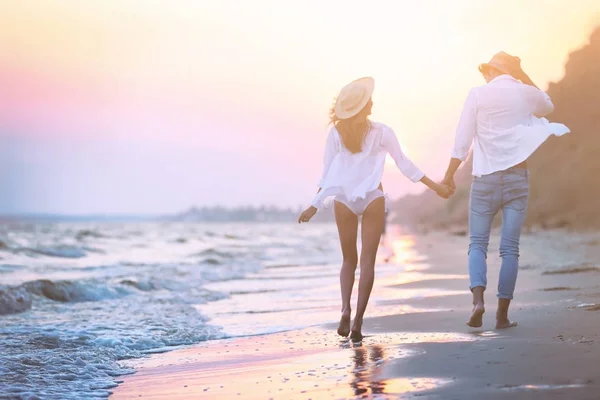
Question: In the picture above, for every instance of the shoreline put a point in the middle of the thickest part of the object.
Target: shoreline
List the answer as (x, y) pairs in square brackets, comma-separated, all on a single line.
[(553, 352)]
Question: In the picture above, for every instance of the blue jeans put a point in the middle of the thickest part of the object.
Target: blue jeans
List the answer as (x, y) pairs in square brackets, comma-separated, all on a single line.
[(507, 191)]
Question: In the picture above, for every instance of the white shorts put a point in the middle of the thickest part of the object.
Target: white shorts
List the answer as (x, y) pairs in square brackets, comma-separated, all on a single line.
[(359, 206)]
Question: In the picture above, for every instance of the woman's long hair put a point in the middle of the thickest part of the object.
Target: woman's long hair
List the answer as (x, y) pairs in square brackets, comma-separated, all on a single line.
[(354, 129)]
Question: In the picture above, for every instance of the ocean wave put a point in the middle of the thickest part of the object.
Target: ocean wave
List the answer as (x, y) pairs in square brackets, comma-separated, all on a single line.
[(213, 256), (74, 291), (81, 364), (212, 252), (75, 353), (150, 284), (211, 261), (144, 286), (100, 293), (87, 233), (14, 300), (29, 246), (58, 251), (18, 299), (7, 268)]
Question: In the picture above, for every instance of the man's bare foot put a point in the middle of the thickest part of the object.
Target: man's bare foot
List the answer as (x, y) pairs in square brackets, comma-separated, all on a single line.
[(505, 323), (344, 327), (502, 321), (476, 320)]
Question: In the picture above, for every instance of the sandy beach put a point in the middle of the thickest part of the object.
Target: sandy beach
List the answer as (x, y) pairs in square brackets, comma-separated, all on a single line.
[(552, 353), (169, 171)]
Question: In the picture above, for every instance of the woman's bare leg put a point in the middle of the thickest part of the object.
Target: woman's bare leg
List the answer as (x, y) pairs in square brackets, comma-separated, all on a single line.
[(347, 224), (372, 226)]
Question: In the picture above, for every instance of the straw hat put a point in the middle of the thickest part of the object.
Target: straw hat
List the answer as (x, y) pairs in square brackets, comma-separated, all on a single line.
[(503, 62), (354, 97)]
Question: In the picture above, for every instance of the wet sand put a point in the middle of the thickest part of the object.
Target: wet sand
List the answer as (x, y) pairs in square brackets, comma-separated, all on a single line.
[(553, 353)]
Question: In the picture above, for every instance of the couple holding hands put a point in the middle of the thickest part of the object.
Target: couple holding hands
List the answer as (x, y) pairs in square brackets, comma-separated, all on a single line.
[(501, 120)]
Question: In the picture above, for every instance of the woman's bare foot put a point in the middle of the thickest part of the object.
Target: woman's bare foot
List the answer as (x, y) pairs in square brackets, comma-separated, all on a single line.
[(344, 327), (476, 320), (505, 323), (356, 334)]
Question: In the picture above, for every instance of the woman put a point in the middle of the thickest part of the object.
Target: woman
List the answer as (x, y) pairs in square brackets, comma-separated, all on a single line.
[(354, 158)]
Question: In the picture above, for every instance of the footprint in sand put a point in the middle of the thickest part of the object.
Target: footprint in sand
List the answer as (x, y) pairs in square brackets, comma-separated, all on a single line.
[(558, 288), (573, 270)]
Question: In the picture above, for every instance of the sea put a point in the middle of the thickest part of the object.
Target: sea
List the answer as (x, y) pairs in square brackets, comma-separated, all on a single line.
[(77, 298)]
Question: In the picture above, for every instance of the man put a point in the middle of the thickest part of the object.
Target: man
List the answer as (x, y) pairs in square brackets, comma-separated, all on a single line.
[(500, 120)]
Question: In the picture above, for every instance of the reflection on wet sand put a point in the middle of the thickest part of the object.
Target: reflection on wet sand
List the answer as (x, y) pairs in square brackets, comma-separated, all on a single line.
[(311, 363), (403, 253), (366, 380), (367, 362)]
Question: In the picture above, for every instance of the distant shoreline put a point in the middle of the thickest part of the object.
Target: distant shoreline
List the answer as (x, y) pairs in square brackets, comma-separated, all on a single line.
[(217, 214), (75, 218), (135, 218)]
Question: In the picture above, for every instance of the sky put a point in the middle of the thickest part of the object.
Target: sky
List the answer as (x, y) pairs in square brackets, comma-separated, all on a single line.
[(142, 106)]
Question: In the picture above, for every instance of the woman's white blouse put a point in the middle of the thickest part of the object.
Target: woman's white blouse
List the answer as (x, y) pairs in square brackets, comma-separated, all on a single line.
[(354, 175)]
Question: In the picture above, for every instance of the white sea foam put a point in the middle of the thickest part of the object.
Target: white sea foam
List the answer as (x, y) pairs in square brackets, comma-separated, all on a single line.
[(75, 299)]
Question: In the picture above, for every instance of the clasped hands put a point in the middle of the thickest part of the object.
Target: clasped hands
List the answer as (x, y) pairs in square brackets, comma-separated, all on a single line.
[(446, 187)]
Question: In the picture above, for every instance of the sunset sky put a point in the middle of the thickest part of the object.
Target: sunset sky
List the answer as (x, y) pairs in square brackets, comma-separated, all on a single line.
[(122, 106)]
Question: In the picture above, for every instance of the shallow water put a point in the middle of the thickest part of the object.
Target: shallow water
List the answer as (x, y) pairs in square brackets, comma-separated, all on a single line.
[(300, 364), (77, 298)]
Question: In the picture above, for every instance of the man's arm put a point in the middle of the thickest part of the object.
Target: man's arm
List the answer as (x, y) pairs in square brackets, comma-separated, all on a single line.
[(542, 104), (540, 101), (465, 133), (519, 74), (523, 77), (449, 177)]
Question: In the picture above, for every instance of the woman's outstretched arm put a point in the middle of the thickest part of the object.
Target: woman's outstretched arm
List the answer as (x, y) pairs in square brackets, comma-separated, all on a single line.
[(404, 164), (408, 168), (444, 191)]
